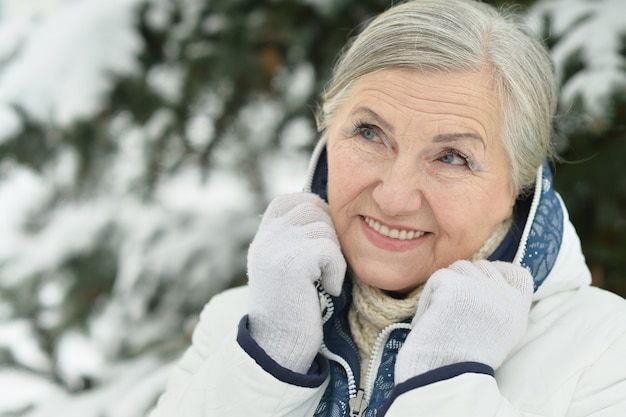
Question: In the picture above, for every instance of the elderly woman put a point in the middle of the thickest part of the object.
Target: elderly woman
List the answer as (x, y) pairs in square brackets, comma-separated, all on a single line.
[(428, 269)]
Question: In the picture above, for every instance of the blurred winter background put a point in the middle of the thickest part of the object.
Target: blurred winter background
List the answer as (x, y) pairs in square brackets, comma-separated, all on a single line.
[(141, 139)]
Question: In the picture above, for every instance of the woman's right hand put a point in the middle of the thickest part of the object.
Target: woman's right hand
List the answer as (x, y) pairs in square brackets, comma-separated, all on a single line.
[(296, 246)]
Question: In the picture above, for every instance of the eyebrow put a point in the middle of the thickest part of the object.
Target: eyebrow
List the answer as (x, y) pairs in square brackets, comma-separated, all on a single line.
[(454, 137), (441, 138), (379, 119)]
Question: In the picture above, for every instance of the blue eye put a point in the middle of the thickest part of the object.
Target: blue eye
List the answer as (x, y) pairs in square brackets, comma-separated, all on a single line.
[(453, 157), (368, 133)]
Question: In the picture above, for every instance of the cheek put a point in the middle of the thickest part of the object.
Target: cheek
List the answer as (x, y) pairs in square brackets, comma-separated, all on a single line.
[(341, 190), (469, 216), (348, 182), (344, 175)]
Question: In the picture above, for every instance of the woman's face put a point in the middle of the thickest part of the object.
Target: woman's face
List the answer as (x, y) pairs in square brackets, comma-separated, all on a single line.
[(418, 175)]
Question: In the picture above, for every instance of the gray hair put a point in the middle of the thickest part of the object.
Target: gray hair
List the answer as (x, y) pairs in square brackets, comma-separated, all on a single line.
[(462, 35)]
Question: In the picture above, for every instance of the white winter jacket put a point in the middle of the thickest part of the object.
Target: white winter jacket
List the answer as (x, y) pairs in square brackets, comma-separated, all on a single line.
[(571, 361)]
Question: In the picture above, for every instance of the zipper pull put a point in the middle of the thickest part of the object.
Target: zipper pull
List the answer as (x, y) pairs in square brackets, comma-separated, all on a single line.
[(358, 404)]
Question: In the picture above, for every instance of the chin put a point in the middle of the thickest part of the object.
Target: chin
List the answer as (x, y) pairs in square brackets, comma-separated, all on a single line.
[(387, 281)]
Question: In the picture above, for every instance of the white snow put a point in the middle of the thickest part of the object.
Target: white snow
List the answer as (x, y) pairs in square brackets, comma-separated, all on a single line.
[(66, 64), (10, 122), (594, 32), (18, 338), (130, 393), (25, 10), (78, 357), (57, 66), (167, 80), (32, 192), (20, 389), (298, 85), (47, 249)]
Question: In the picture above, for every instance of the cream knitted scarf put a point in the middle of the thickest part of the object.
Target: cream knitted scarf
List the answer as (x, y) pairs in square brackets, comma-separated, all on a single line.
[(373, 309)]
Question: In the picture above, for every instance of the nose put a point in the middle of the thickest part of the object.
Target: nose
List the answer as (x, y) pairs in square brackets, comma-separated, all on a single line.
[(399, 190)]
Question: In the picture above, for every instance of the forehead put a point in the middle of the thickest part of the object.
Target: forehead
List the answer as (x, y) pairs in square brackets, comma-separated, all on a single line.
[(468, 97)]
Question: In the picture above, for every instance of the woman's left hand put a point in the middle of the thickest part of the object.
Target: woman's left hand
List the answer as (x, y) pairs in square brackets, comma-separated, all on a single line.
[(470, 311)]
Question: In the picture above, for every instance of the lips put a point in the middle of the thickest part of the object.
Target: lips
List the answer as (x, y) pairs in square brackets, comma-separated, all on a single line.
[(399, 234)]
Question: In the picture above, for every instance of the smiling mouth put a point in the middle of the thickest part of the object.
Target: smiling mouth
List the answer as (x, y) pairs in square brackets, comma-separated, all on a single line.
[(400, 234)]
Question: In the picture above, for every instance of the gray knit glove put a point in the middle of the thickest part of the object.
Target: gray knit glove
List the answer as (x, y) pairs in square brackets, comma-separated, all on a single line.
[(470, 311), (296, 246)]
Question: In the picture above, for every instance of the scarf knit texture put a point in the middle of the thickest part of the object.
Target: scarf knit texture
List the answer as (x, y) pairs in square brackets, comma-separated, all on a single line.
[(373, 309)]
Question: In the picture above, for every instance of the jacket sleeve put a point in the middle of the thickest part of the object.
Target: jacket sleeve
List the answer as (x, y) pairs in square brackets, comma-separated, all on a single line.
[(470, 389), (601, 390), (218, 377), (465, 389)]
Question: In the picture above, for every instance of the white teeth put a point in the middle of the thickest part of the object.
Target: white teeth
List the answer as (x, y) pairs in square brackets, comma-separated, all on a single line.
[(393, 233)]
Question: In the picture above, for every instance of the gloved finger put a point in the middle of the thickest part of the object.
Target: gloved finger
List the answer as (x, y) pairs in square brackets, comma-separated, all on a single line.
[(516, 276), (318, 260), (319, 230), (283, 204), (333, 271), (426, 296), (505, 272), (472, 269), (274, 232), (308, 212), (487, 273), (458, 285), (450, 277)]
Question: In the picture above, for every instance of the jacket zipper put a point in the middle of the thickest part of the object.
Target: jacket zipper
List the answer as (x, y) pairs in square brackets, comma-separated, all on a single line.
[(326, 303), (539, 188), (358, 404), (377, 355), (358, 398)]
